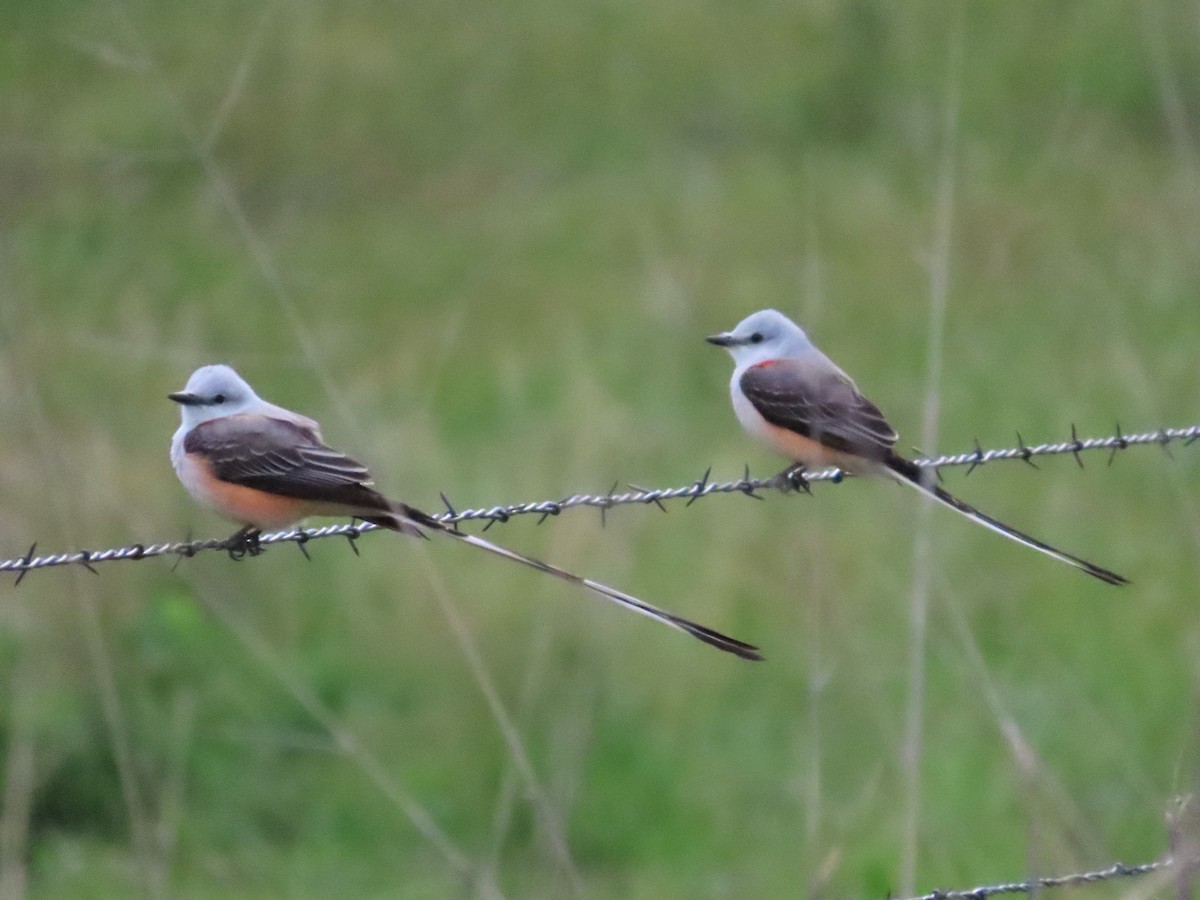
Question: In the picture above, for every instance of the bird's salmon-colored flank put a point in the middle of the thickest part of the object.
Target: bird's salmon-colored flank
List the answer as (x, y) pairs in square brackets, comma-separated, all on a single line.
[(238, 502), (813, 454)]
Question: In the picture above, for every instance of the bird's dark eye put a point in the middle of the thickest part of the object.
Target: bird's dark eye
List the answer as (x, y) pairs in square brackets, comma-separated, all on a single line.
[(220, 398), (756, 338)]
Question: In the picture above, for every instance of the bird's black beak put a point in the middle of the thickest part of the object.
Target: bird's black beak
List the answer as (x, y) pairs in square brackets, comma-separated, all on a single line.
[(184, 398), (725, 339)]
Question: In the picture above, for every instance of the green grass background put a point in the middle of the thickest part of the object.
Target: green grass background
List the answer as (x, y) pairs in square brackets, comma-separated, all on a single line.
[(482, 243)]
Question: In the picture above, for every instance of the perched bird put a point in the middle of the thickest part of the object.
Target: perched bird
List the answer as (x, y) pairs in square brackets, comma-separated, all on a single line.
[(267, 467), (789, 394)]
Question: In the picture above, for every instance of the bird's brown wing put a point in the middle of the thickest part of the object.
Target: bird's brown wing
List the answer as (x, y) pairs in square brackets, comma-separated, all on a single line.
[(281, 457), (816, 400)]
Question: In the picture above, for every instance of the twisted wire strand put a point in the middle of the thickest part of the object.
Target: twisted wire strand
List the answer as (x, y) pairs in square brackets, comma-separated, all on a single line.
[(1080, 879), (702, 487)]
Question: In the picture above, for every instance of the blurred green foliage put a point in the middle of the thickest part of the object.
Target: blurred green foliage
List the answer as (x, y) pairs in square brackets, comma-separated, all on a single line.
[(482, 242)]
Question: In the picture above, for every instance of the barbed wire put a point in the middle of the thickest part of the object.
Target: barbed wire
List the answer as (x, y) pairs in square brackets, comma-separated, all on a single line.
[(703, 487), (1182, 820), (1080, 879)]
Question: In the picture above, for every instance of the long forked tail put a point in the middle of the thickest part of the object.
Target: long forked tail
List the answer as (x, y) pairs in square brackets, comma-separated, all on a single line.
[(926, 482), (405, 518)]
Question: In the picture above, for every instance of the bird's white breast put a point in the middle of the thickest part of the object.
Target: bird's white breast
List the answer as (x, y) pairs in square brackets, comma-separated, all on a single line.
[(750, 418)]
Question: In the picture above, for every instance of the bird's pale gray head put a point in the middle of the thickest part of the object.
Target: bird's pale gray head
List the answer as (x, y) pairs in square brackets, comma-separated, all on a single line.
[(766, 334), (213, 391)]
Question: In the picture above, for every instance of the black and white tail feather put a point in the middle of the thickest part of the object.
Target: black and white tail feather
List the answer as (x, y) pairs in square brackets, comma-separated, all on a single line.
[(408, 520), (925, 481)]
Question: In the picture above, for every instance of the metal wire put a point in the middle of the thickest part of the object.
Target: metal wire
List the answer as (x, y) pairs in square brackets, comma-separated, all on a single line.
[(1081, 879), (702, 487)]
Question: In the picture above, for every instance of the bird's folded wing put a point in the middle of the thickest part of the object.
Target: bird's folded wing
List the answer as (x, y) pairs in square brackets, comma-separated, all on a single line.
[(816, 400), (279, 457)]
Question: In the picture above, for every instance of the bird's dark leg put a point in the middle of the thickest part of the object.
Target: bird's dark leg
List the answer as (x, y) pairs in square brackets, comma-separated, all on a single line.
[(244, 542), (792, 478)]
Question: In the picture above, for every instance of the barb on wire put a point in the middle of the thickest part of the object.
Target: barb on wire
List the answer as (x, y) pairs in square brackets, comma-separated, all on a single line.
[(789, 479), (1033, 885)]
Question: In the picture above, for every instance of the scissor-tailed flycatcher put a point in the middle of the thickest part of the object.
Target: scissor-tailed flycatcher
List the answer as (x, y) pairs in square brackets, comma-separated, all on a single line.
[(268, 467), (791, 395)]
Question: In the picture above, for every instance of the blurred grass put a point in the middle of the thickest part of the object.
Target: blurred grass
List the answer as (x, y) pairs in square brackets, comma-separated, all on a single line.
[(500, 231)]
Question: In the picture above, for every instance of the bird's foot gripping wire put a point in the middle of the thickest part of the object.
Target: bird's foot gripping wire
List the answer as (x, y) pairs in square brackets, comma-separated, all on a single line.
[(244, 542), (792, 479)]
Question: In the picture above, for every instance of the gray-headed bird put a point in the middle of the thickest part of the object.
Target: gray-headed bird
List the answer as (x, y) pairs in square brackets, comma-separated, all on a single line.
[(267, 467), (789, 394)]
